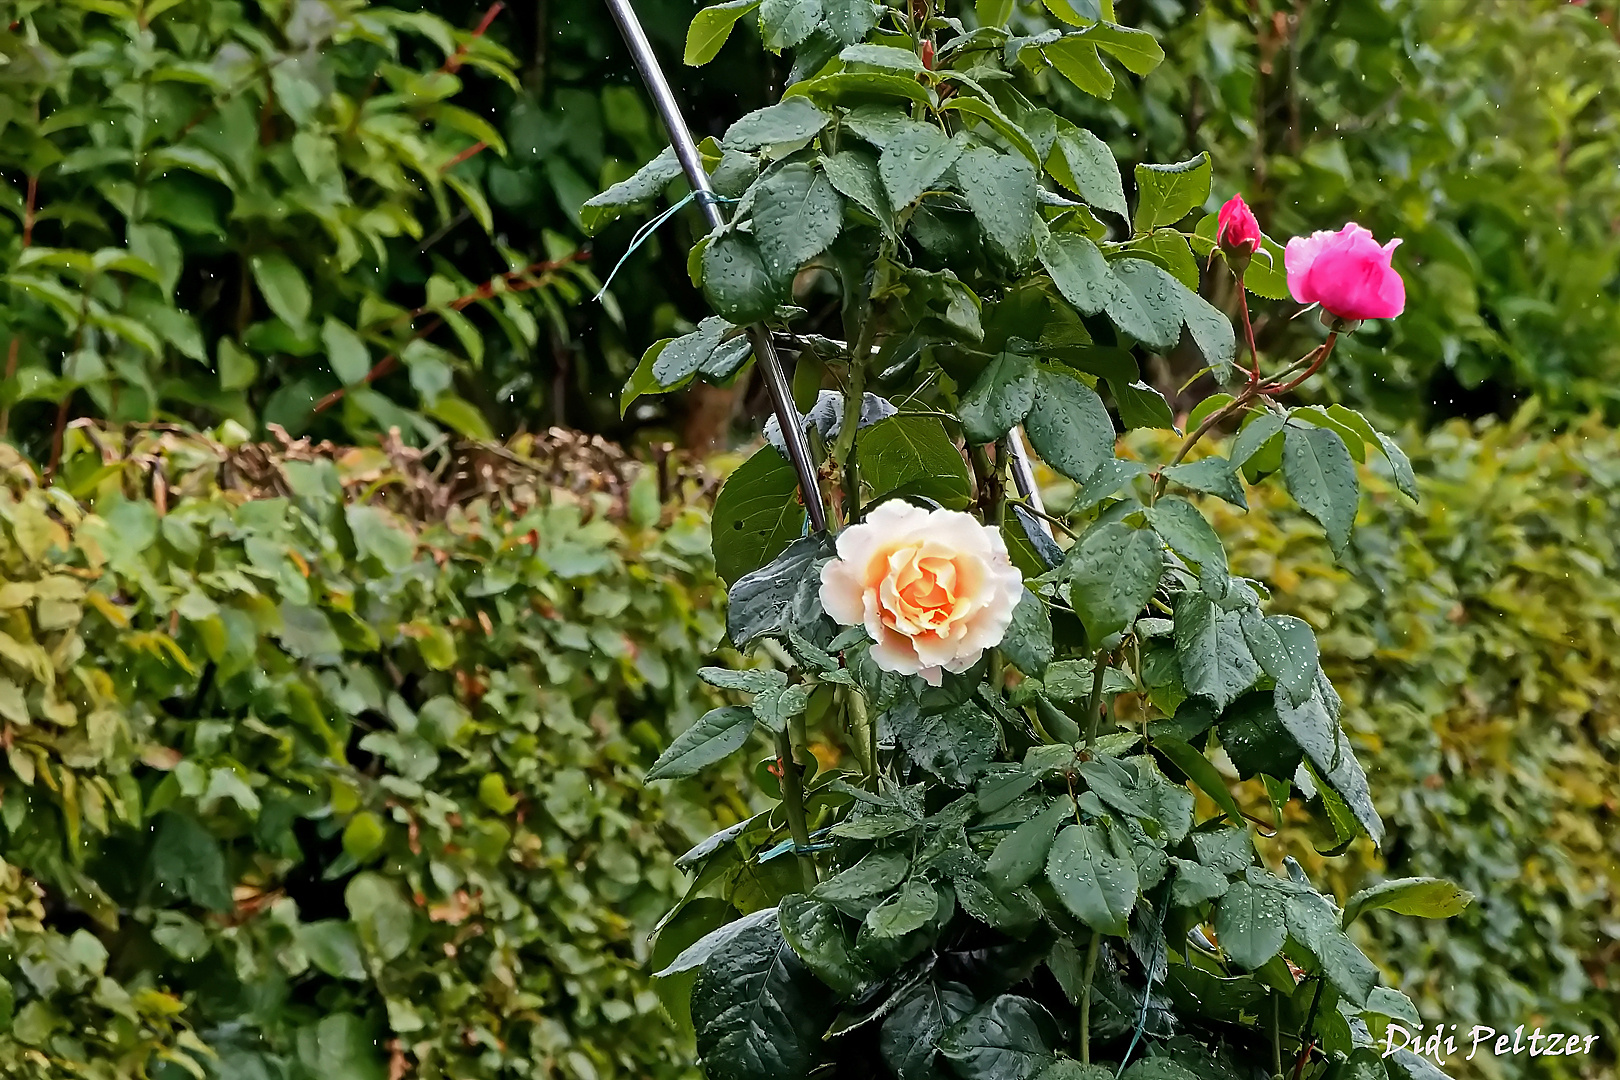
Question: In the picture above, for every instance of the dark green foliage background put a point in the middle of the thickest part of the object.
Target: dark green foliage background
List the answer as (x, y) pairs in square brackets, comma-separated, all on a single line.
[(1482, 133), (270, 865)]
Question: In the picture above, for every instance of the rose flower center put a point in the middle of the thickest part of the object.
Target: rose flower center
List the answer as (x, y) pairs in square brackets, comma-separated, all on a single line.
[(920, 592)]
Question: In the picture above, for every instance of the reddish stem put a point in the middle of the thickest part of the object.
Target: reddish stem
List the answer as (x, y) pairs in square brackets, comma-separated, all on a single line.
[(1322, 352), (515, 281), (28, 214), (463, 156), (452, 63), (1248, 333)]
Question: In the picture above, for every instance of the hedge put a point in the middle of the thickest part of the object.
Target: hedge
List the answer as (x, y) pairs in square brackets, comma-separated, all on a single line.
[(1475, 639), (327, 762), (300, 787)]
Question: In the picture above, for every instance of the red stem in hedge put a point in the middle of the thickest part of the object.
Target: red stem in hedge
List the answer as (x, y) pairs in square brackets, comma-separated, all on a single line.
[(452, 63), (514, 280)]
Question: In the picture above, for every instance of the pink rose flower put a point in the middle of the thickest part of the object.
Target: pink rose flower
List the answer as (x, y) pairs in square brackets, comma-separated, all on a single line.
[(1347, 273), (1236, 229), (934, 588)]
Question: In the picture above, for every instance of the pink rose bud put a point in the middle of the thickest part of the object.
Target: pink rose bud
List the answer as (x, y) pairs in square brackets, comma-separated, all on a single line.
[(1236, 230), (1347, 272)]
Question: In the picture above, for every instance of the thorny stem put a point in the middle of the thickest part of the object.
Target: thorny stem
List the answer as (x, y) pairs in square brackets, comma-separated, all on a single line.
[(1085, 998), (793, 804)]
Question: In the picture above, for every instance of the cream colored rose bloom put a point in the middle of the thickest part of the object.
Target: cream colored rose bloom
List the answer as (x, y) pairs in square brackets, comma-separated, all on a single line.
[(934, 588)]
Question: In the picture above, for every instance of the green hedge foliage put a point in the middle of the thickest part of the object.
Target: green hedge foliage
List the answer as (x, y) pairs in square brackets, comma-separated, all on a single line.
[(1474, 635), (346, 778), (333, 793)]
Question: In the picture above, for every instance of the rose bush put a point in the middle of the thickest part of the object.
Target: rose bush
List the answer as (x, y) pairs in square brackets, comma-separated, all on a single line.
[(1018, 859)]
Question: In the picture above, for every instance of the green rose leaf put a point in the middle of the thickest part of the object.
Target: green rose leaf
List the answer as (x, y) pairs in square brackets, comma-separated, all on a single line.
[(914, 160), (1215, 661), (1212, 476), (1096, 884), (1322, 479), (793, 120), (1312, 923), (735, 280), (1180, 524), (1140, 405), (999, 398), (957, 746), (1076, 59), (1191, 761), (1195, 884), (914, 455), (1000, 190), (757, 601), (850, 20), (1021, 854), (816, 932), (1255, 738), (797, 216), (645, 185), (717, 734), (1167, 193), (874, 874), (757, 514), (1084, 164), (1028, 643), (910, 1037), (1138, 50), (1112, 572), (785, 23), (854, 173), (1286, 648), (1069, 425), (1010, 1038), (912, 908), (758, 1010), (1079, 271), (1249, 924)]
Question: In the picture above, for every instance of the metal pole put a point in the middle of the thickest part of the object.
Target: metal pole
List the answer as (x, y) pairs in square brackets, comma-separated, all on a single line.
[(787, 414), (1024, 477)]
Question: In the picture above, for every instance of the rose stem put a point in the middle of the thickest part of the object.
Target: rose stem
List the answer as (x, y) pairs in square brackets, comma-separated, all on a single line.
[(1319, 358), (793, 804), (865, 732), (1094, 701), (1085, 997), (854, 396), (1248, 332), (1306, 1042), (1276, 1034)]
